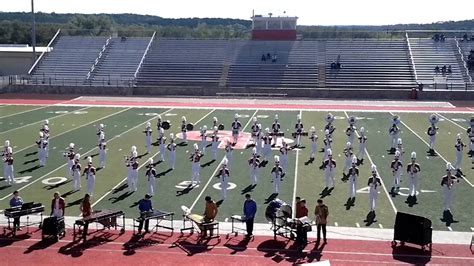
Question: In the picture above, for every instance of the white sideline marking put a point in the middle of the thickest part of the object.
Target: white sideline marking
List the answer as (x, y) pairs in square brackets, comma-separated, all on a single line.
[(217, 168), (26, 111), (381, 226), (472, 228), (43, 176), (381, 179), (357, 224), (336, 224), (123, 180), (437, 152), (449, 228), (296, 177)]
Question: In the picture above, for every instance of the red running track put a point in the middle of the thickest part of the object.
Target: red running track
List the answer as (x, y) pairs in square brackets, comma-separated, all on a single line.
[(165, 248)]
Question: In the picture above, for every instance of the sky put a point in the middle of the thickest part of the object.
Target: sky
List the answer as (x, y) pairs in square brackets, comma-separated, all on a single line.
[(310, 12)]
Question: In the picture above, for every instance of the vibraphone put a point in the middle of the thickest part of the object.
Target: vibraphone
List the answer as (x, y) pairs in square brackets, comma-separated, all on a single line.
[(25, 210), (235, 230), (159, 216), (108, 218), (198, 223)]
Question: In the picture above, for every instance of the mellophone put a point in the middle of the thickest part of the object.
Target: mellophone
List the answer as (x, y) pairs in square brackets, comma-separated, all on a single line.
[(108, 218), (25, 209), (159, 216)]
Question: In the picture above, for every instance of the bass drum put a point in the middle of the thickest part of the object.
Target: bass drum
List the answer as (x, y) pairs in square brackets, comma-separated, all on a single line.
[(166, 125), (272, 207)]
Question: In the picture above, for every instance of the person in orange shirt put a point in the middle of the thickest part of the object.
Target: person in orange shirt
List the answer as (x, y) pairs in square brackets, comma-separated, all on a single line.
[(210, 214)]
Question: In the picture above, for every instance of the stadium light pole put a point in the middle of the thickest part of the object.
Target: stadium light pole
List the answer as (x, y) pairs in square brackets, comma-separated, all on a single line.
[(33, 31)]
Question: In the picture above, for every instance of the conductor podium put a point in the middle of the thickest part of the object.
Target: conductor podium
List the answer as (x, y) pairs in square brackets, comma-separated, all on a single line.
[(412, 229)]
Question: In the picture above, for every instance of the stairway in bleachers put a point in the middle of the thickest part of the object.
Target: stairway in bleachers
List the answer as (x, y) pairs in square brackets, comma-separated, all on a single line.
[(70, 60), (465, 48), (427, 54)]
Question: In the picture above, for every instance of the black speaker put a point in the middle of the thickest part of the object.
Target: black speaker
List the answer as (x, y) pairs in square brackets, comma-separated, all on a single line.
[(413, 229)]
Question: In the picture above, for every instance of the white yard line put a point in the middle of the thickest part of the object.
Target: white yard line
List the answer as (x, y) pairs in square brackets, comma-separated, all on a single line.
[(125, 179), (456, 124), (26, 111), (296, 177), (383, 183), (217, 168), (427, 144), (49, 118), (89, 151)]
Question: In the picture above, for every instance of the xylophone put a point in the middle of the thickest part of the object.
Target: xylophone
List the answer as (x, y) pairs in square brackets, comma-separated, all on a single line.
[(198, 223), (108, 218), (159, 216), (24, 210)]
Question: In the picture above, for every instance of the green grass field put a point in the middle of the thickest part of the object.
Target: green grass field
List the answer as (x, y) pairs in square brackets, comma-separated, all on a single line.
[(20, 124)]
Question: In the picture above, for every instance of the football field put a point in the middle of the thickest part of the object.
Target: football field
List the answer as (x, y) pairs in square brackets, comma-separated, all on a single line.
[(124, 125)]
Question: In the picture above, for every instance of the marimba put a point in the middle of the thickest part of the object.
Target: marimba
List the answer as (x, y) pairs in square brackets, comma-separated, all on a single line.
[(159, 216), (26, 209), (108, 218)]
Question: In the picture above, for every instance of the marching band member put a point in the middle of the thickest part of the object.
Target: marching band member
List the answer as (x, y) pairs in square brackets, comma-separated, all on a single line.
[(329, 126), (151, 177), (236, 126), (267, 146), (215, 143), (5, 147), (470, 134), (254, 164), (396, 165), (327, 143), (45, 130), (348, 153), (76, 173), (413, 169), (329, 167), (314, 144), (90, 172), (400, 149), (172, 151), (276, 127), (362, 141), (394, 132), (432, 131), (223, 175), (277, 173), (374, 184), (459, 149), (258, 145), (351, 129), (184, 129), (298, 130), (203, 139), (132, 164), (162, 143), (284, 154), (353, 175), (102, 150), (195, 159), (148, 131), (447, 183), (255, 131), (228, 152), (100, 130), (215, 122), (8, 166), (159, 125), (42, 149), (70, 155)]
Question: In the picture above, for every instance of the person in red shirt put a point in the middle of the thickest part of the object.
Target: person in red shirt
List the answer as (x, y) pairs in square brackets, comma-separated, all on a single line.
[(301, 210)]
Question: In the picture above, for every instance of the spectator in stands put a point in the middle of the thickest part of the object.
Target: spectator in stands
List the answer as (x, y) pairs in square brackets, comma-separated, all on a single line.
[(436, 69), (420, 86), (450, 70), (274, 58), (301, 209), (443, 70), (264, 58), (465, 37), (269, 57)]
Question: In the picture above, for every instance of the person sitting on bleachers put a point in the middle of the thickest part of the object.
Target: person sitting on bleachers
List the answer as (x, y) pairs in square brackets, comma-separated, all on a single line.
[(436, 37), (450, 70), (338, 65), (269, 56), (274, 58), (264, 58), (333, 65), (436, 69), (443, 70)]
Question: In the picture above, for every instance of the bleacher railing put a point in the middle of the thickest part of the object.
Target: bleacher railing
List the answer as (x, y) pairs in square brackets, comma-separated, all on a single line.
[(412, 62), (466, 69), (135, 75), (97, 60), (33, 67)]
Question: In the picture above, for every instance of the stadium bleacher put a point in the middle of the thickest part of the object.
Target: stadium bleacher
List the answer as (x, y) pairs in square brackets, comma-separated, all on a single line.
[(466, 47)]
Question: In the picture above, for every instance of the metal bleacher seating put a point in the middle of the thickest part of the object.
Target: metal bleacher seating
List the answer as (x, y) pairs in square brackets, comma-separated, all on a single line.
[(69, 62), (120, 62), (427, 54), (466, 47)]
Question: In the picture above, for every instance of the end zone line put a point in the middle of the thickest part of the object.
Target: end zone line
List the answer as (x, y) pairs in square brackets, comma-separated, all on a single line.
[(89, 151), (293, 205), (26, 111), (36, 122), (383, 183), (123, 180), (424, 141), (217, 168), (72, 129), (456, 124)]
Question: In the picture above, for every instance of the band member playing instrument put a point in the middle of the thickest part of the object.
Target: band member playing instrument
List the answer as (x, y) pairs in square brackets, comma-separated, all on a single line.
[(16, 201), (470, 134), (314, 143), (353, 175), (86, 210), (329, 167), (348, 153), (159, 124), (327, 143), (45, 130), (447, 183), (255, 131), (76, 173), (276, 128), (210, 214), (100, 130), (224, 175), (70, 154), (172, 151), (396, 165), (413, 170), (267, 146), (132, 165), (228, 152), (8, 166), (162, 144), (284, 154), (432, 131), (90, 172), (195, 159), (351, 129), (144, 206), (215, 142), (148, 131), (374, 184), (42, 143), (58, 206), (236, 127), (258, 145), (254, 164), (102, 151), (459, 146), (362, 142), (329, 126), (394, 133), (298, 130), (400, 149), (151, 177), (215, 122), (277, 175), (184, 129), (203, 139)]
